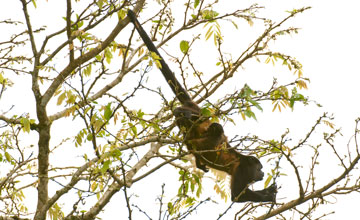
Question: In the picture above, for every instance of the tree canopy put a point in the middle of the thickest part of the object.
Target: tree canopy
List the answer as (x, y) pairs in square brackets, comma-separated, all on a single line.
[(87, 126)]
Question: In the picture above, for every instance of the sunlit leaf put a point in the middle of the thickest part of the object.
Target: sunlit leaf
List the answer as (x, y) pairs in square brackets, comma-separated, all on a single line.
[(156, 59), (25, 122), (2, 79), (243, 116), (267, 60), (89, 137), (208, 33), (196, 3), (94, 186), (184, 46), (105, 166), (8, 156), (34, 3), (267, 181), (209, 14), (236, 26), (61, 98), (108, 55), (121, 14), (301, 84), (250, 114), (100, 3), (87, 70), (170, 208), (256, 104), (107, 112)]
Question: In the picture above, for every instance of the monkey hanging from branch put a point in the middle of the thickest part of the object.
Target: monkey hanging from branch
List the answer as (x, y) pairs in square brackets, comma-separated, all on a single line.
[(206, 140)]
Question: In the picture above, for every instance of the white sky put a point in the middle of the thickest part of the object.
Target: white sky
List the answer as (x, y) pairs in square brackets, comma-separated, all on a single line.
[(328, 47)]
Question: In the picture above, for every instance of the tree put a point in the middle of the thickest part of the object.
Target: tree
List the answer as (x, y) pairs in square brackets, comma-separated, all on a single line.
[(86, 71)]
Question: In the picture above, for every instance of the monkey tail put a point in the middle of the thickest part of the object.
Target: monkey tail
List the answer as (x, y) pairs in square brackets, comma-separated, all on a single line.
[(174, 84)]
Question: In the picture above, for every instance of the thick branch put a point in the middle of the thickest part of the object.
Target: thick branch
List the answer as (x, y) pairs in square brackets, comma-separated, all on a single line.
[(75, 179), (68, 29), (115, 186), (9, 120), (89, 55)]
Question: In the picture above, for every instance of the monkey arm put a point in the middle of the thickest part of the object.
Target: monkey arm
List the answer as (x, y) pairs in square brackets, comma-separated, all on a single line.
[(176, 87)]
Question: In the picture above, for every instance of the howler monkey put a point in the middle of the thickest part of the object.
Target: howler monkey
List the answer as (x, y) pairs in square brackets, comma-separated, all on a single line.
[(242, 168), (206, 140)]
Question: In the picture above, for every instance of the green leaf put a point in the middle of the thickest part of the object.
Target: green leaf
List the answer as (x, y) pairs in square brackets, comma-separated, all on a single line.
[(34, 3), (267, 181), (121, 14), (7, 156), (256, 104), (105, 166), (236, 26), (133, 129), (209, 14), (2, 79), (116, 153), (246, 92), (209, 33), (206, 112), (184, 46), (25, 122), (249, 113), (108, 112), (71, 98), (170, 207), (80, 24), (89, 137), (100, 3), (156, 58), (94, 186), (292, 102), (140, 114), (61, 98), (198, 191), (267, 60), (87, 70), (108, 55), (192, 186), (196, 3), (296, 97)]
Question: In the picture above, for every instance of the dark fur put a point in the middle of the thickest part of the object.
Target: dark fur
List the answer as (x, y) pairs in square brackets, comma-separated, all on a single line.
[(206, 140), (242, 168)]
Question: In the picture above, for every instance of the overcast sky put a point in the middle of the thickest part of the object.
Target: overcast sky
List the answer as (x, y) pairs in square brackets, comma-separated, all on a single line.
[(328, 47)]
